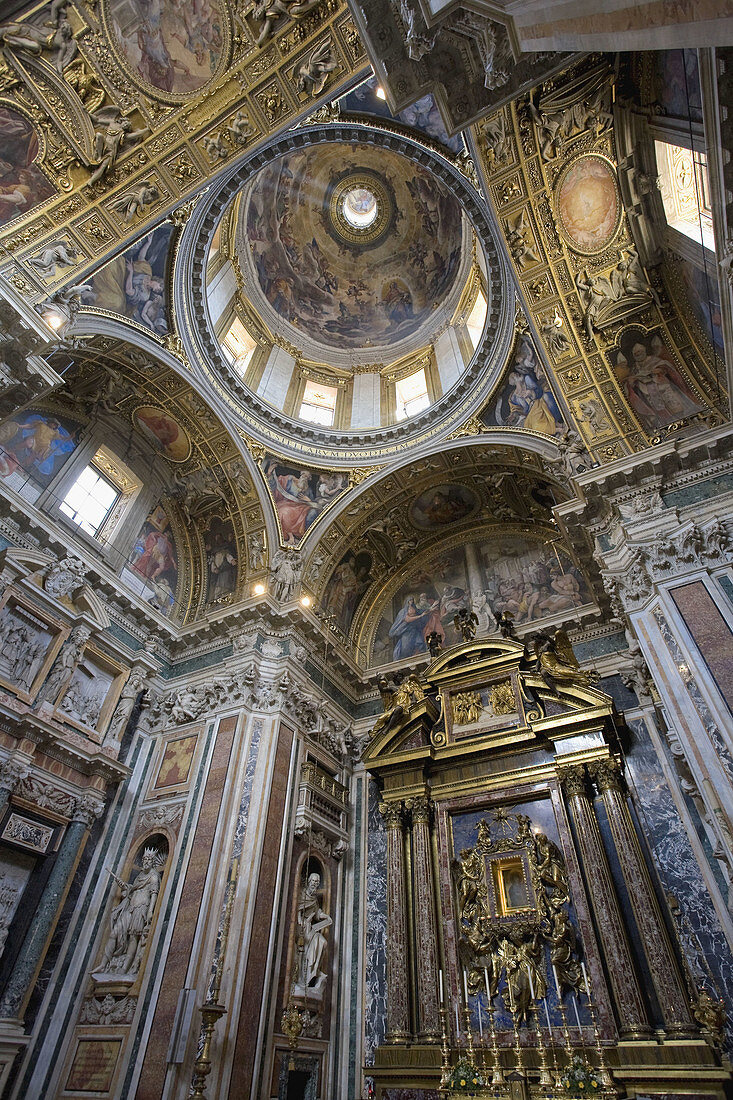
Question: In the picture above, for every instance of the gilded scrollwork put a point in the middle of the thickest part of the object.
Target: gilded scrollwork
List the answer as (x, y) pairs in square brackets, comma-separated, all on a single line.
[(512, 898)]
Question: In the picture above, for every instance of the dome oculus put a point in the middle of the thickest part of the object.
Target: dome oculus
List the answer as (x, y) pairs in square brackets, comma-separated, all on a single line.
[(360, 207)]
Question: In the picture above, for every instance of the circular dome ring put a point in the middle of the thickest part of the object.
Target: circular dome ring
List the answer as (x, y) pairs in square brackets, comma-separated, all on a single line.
[(284, 433)]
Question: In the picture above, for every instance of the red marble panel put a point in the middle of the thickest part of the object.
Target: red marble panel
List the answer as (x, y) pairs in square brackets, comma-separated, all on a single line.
[(711, 632), (254, 984), (153, 1072)]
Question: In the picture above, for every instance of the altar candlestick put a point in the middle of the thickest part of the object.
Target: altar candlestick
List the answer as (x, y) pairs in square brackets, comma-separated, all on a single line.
[(486, 983), (465, 987), (557, 982), (577, 1017), (440, 981), (585, 978), (458, 1026)]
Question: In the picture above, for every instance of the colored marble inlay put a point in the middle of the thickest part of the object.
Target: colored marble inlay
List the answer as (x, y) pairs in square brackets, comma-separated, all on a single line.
[(176, 762), (712, 634), (375, 1008), (94, 1065), (700, 933)]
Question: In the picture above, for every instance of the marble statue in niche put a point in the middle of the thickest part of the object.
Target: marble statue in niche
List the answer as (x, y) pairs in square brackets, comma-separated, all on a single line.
[(312, 944), (132, 917), (22, 649), (123, 710), (65, 664)]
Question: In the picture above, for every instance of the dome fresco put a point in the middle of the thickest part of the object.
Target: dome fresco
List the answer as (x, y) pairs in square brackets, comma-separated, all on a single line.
[(351, 246)]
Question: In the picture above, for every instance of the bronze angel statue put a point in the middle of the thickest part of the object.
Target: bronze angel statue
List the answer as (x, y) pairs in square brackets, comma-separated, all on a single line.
[(465, 623)]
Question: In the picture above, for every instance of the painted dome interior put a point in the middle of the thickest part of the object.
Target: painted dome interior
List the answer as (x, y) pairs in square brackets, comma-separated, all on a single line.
[(346, 261)]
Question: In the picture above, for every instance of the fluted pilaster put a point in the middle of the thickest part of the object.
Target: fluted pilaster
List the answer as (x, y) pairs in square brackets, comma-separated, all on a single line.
[(626, 990), (398, 1002), (655, 940)]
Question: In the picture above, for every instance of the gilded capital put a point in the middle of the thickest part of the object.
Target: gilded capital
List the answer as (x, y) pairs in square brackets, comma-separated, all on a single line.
[(607, 775), (421, 808), (393, 813), (573, 779)]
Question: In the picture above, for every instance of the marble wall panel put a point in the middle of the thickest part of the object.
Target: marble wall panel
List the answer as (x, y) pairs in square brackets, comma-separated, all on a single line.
[(702, 937), (711, 633), (375, 1007)]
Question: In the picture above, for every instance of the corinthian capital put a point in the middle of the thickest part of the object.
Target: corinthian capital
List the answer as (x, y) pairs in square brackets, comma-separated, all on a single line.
[(12, 772), (87, 809), (607, 775), (573, 779), (393, 814), (421, 807)]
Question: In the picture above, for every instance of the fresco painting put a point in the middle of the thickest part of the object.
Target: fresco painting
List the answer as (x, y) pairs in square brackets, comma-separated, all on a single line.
[(525, 399), (154, 559), (650, 380), (529, 581), (174, 46), (703, 294), (300, 495), (589, 204), (348, 583), (164, 431), (22, 183), (36, 443), (135, 283), (221, 560), (442, 505), (422, 115), (344, 295), (676, 82)]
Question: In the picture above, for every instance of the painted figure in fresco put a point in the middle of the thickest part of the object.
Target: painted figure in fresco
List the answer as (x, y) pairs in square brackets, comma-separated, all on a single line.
[(35, 442), (157, 557), (311, 923), (526, 399), (652, 384), (22, 184), (415, 621), (131, 918), (300, 496), (349, 581)]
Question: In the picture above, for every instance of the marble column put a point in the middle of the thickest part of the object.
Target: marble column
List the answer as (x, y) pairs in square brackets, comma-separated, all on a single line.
[(615, 944), (649, 921), (12, 1002), (398, 1001), (426, 938), (11, 774)]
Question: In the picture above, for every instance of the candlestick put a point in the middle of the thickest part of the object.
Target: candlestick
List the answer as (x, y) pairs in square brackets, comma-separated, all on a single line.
[(458, 1027), (557, 983), (553, 1051), (585, 978), (545, 1075), (465, 987), (577, 1016), (440, 983), (497, 1076), (606, 1077), (444, 1048), (564, 1018), (519, 1069)]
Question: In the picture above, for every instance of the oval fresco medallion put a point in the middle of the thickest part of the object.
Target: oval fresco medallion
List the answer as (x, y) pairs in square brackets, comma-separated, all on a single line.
[(173, 49), (164, 432), (588, 204), (441, 505)]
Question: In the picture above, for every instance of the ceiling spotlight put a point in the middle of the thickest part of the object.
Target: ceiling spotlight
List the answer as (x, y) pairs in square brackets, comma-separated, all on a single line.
[(305, 601), (380, 93), (53, 319), (259, 590)]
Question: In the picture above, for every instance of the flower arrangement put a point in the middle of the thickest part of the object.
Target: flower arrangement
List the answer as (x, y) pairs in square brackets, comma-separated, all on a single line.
[(465, 1077), (580, 1078)]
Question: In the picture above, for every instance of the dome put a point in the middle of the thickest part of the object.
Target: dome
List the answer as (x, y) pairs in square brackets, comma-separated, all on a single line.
[(350, 249), (352, 292)]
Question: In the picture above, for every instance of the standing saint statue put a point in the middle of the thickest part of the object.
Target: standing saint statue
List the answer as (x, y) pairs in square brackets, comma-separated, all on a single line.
[(312, 944), (131, 918)]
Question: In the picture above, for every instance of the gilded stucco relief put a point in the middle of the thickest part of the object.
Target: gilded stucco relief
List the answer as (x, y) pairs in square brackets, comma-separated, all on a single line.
[(106, 128), (549, 162)]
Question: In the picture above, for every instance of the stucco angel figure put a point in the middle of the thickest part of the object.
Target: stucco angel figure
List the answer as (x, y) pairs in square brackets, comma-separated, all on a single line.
[(311, 924), (313, 74), (115, 134), (131, 918), (135, 201)]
